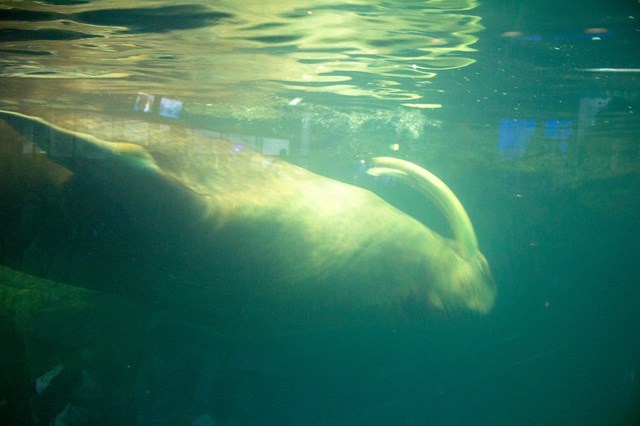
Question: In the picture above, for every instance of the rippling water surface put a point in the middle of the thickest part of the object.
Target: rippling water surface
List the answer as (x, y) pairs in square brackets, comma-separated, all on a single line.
[(237, 54)]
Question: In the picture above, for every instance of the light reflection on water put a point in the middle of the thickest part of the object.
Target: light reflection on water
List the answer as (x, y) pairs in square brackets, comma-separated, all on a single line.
[(239, 53)]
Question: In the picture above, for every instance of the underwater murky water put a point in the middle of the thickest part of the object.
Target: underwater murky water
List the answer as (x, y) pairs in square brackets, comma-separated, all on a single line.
[(148, 285)]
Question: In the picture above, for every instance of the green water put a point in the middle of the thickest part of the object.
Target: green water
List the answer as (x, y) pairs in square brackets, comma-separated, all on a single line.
[(527, 110)]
